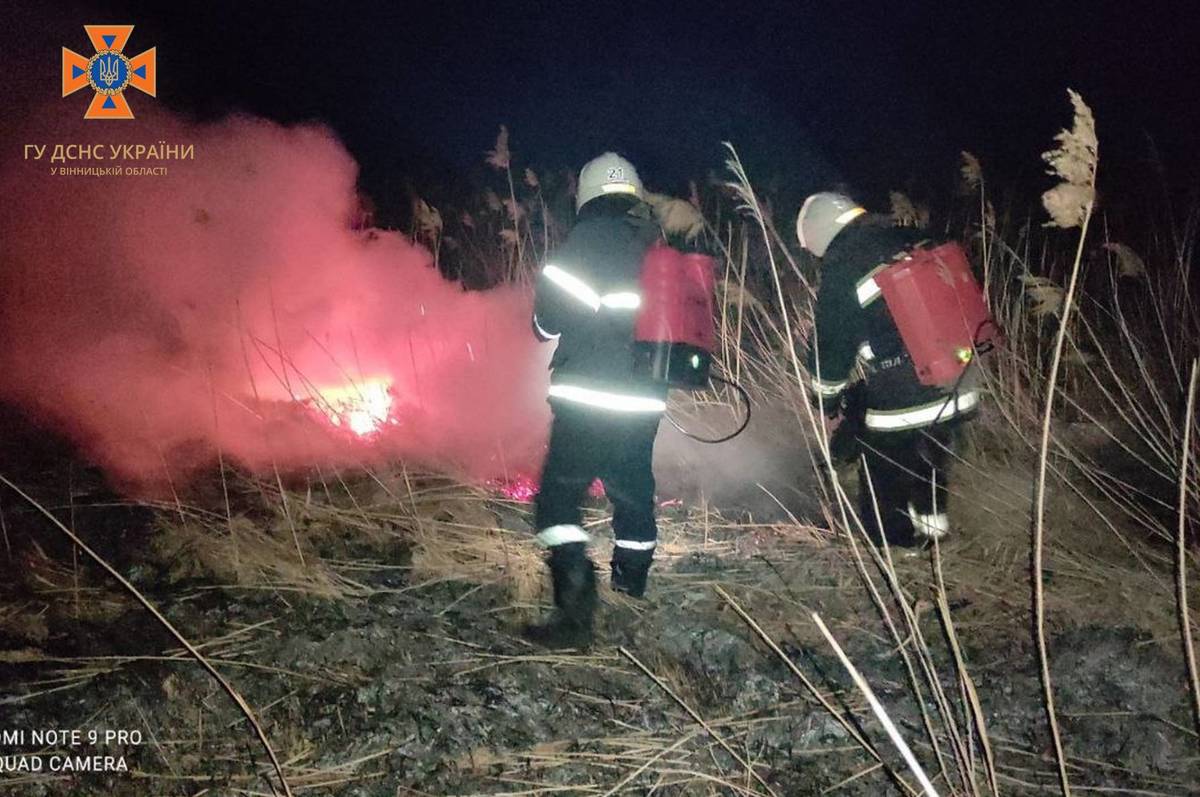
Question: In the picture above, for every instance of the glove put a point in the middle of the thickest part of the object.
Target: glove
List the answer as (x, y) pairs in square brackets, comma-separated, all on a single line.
[(832, 405), (845, 444)]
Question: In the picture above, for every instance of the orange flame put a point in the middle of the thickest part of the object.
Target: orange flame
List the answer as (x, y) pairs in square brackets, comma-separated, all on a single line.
[(362, 407)]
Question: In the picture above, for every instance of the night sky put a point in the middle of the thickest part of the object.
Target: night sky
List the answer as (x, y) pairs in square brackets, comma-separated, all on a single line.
[(874, 96)]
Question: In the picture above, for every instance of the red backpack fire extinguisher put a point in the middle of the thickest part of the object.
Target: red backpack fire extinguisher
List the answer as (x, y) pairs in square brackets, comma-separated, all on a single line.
[(939, 310), (674, 334)]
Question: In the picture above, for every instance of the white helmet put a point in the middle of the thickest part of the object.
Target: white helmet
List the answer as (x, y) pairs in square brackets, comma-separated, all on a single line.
[(822, 217), (607, 174)]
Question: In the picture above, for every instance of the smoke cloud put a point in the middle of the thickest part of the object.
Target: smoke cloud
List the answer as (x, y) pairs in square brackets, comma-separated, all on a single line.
[(764, 472), (229, 307)]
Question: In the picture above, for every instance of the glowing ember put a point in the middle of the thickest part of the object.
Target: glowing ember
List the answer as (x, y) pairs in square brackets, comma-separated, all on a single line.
[(361, 407), (521, 489), (525, 488)]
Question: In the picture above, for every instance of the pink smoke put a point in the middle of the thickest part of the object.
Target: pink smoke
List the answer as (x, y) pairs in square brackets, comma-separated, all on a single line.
[(229, 306)]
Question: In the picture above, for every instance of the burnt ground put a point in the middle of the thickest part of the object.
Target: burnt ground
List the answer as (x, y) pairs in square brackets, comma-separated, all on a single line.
[(389, 662)]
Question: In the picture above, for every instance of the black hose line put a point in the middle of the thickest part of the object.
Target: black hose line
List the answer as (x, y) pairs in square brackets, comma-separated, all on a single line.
[(980, 347), (745, 421)]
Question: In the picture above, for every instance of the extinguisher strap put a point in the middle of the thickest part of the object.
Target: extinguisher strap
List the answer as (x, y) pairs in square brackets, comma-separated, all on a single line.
[(867, 289)]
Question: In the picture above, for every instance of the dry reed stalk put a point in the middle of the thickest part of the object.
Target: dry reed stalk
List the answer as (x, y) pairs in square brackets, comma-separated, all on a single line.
[(812, 689), (973, 180), (228, 687), (889, 569), (750, 203), (500, 158), (4, 533), (963, 756), (878, 709), (741, 307), (1185, 627), (968, 685), (925, 655), (1070, 204)]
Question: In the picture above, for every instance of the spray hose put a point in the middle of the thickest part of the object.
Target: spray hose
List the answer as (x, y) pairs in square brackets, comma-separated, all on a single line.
[(979, 347), (745, 397)]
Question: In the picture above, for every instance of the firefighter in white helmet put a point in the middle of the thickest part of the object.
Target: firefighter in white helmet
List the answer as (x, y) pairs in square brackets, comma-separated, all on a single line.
[(604, 417), (904, 429)]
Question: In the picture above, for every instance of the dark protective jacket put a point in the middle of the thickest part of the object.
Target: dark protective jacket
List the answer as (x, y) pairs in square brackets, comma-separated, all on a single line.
[(853, 325), (586, 296)]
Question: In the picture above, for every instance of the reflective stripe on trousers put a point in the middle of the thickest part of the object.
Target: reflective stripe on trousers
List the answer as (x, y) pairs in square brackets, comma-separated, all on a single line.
[(933, 525), (636, 545), (560, 535)]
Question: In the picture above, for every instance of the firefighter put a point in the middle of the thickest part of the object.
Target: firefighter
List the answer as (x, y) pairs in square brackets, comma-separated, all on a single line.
[(905, 430), (604, 418)]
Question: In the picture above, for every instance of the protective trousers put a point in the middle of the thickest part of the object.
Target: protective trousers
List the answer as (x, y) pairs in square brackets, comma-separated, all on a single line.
[(906, 475), (587, 443)]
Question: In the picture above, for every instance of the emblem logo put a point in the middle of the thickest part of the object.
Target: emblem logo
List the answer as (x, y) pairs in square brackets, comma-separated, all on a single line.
[(109, 72)]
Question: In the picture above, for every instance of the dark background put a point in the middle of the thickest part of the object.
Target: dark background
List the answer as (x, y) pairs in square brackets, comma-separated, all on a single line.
[(870, 95)]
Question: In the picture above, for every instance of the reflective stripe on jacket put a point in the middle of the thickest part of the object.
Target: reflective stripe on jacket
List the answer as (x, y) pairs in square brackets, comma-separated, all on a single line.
[(587, 296)]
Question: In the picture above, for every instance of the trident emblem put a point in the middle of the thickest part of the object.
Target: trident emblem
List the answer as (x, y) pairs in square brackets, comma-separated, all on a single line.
[(109, 72), (109, 68)]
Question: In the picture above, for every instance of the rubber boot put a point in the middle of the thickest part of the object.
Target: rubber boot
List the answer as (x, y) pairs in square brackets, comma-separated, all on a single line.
[(570, 624), (630, 567)]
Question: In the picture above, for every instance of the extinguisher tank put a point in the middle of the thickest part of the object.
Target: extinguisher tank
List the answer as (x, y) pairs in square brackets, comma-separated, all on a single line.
[(939, 311), (674, 333)]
